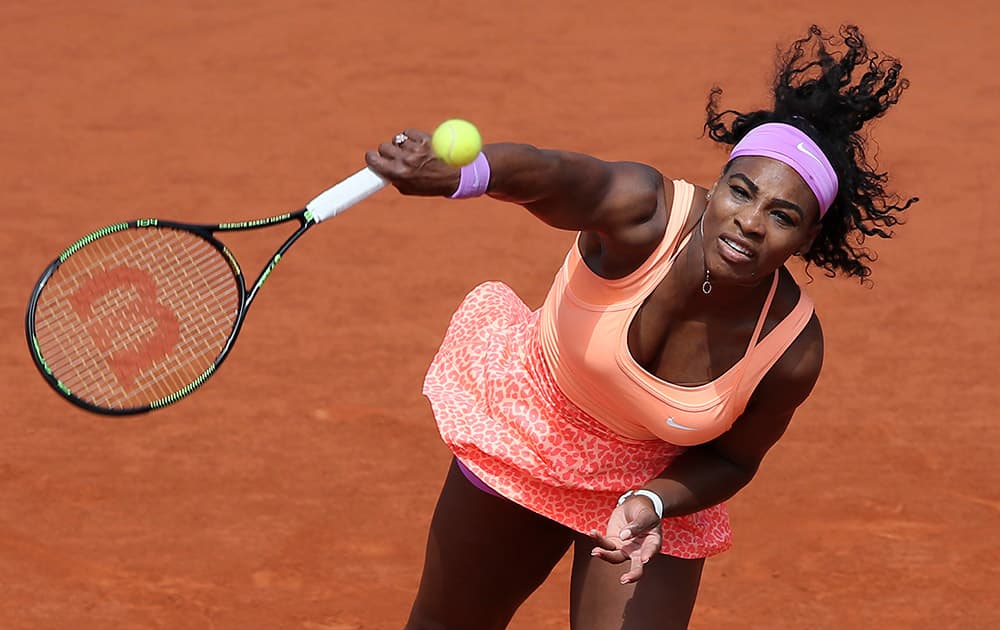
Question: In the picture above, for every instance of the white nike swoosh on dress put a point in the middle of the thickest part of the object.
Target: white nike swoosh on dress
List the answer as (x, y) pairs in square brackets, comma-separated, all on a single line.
[(673, 423), (802, 147)]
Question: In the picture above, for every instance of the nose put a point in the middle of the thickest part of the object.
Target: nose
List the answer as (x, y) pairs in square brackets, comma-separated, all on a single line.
[(751, 221)]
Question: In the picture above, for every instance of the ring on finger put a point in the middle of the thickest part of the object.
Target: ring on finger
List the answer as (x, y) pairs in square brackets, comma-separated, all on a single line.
[(399, 139)]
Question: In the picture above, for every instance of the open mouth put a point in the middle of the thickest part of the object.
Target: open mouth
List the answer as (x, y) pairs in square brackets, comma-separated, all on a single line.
[(736, 248)]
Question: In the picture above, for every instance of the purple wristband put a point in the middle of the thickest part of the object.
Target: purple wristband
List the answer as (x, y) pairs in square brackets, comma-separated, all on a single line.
[(475, 178)]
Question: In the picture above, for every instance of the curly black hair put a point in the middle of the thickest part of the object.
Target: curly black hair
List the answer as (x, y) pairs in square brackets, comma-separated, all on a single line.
[(817, 89)]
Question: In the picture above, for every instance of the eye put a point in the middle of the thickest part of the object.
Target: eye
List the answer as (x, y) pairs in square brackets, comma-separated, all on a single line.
[(783, 218), (739, 192)]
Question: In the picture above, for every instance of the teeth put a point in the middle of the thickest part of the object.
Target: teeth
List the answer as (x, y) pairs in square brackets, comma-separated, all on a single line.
[(741, 250)]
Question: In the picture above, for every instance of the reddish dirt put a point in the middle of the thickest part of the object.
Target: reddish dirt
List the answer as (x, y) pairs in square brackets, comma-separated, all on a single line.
[(294, 490)]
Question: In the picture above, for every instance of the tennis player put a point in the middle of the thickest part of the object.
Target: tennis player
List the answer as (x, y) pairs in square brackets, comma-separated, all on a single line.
[(670, 354)]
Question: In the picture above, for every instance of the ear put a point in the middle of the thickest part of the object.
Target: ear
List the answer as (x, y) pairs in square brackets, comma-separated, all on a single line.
[(711, 191)]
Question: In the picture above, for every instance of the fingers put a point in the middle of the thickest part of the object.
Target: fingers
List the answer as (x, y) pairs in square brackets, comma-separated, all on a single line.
[(638, 558), (391, 150), (635, 528), (602, 541), (636, 555), (389, 160), (386, 167), (417, 136), (649, 548), (408, 163), (405, 143), (613, 557), (405, 151), (606, 548), (637, 550), (641, 520), (634, 573)]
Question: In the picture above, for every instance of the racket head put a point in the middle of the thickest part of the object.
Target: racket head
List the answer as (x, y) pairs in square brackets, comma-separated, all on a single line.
[(135, 316)]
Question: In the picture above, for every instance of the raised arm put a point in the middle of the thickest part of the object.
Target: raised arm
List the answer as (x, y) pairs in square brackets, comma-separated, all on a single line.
[(620, 202), (573, 191)]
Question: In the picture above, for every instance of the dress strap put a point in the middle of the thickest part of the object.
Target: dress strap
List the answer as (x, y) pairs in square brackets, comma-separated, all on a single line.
[(763, 312), (771, 348)]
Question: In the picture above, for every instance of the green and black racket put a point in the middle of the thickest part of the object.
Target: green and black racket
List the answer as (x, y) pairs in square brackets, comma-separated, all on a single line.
[(138, 315)]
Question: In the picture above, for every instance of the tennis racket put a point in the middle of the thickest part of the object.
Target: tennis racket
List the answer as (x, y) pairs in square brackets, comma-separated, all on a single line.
[(138, 315)]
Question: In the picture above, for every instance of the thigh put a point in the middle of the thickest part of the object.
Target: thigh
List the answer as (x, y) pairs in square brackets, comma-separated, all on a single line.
[(485, 556), (662, 600)]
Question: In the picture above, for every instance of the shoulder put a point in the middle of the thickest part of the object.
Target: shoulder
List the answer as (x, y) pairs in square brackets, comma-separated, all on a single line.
[(639, 194), (632, 195), (634, 217)]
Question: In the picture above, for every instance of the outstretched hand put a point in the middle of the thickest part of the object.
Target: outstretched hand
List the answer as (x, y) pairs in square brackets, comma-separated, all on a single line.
[(633, 534), (409, 164)]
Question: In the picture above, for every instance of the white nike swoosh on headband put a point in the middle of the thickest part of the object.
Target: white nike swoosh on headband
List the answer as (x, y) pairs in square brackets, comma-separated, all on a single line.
[(673, 423), (802, 147)]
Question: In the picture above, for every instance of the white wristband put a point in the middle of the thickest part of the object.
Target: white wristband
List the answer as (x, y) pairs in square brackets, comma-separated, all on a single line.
[(649, 494)]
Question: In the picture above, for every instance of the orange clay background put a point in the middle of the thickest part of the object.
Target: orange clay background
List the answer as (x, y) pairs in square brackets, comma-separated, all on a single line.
[(294, 490)]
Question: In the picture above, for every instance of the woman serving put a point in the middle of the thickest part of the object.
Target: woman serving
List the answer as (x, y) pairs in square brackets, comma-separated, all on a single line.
[(669, 355)]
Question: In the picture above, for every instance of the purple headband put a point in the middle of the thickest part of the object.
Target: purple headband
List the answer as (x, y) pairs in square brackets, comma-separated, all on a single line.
[(788, 144)]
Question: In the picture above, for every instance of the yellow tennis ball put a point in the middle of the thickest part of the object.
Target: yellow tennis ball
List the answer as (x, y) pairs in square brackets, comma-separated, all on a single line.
[(456, 142)]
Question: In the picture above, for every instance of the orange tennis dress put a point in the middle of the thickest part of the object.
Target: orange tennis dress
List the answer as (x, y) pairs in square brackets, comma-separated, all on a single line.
[(548, 408)]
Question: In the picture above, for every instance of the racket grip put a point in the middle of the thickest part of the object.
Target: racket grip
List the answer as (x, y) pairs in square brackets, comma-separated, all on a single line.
[(345, 194)]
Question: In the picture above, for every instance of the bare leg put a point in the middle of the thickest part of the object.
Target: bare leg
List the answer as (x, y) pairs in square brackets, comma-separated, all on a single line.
[(485, 556), (662, 600)]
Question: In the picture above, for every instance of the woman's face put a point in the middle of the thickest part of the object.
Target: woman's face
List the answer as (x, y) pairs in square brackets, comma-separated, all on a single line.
[(760, 213)]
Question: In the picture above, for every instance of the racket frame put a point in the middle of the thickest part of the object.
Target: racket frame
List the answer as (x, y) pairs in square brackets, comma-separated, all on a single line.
[(330, 203), (207, 232)]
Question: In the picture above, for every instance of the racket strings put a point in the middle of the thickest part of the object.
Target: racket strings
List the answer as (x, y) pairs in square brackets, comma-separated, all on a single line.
[(136, 316)]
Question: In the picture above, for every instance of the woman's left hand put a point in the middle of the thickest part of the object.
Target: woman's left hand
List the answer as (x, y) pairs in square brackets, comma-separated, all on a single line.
[(633, 534)]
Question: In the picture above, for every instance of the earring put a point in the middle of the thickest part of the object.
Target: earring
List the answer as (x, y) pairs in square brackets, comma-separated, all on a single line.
[(706, 286)]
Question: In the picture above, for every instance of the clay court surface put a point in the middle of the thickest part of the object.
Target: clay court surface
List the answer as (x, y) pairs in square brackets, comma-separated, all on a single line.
[(294, 490)]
